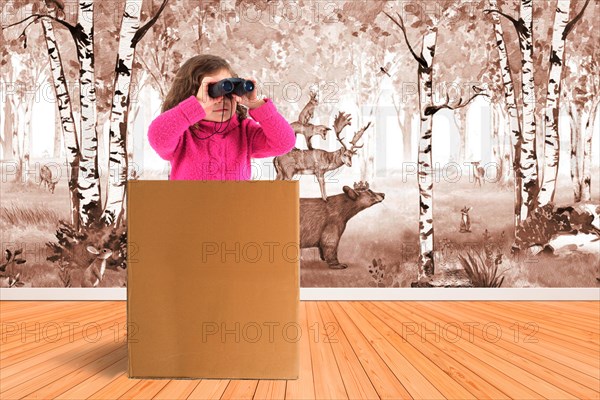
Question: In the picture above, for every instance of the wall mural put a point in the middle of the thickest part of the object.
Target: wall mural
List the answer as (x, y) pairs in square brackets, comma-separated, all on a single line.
[(439, 143)]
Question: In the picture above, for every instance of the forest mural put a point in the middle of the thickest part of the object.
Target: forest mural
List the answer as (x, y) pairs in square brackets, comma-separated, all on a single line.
[(439, 143)]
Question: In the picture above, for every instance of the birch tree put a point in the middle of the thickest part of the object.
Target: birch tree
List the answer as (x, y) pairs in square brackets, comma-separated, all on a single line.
[(130, 35), (561, 29), (427, 110), (511, 105), (67, 122)]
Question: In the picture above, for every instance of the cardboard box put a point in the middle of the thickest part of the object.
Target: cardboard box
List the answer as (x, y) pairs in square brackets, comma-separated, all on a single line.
[(213, 279)]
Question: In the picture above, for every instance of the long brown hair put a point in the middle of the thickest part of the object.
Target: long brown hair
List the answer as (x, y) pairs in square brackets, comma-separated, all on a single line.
[(187, 80)]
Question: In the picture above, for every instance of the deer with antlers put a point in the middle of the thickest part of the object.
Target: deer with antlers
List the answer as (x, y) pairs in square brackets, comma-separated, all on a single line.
[(316, 161)]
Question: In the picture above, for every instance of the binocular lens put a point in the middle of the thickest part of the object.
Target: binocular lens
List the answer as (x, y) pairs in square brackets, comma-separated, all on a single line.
[(227, 86)]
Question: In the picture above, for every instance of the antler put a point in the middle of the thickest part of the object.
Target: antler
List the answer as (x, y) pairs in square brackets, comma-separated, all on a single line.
[(361, 186), (357, 137), (341, 121)]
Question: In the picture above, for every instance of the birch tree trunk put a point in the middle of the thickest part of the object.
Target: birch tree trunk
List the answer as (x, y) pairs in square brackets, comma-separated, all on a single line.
[(460, 120), (65, 113), (117, 150), (57, 132), (16, 145), (575, 151), (586, 178), (9, 121), (495, 142), (513, 114), (29, 99), (552, 139), (425, 165), (529, 164), (407, 137), (88, 179)]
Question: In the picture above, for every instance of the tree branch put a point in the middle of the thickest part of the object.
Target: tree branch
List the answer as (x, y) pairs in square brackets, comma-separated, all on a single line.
[(519, 25), (400, 24), (144, 29), (38, 16), (431, 110), (574, 21)]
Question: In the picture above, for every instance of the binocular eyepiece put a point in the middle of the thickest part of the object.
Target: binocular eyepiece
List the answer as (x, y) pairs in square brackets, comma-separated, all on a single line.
[(229, 86)]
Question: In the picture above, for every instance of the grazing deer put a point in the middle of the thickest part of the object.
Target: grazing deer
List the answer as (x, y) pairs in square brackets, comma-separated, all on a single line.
[(309, 109), (323, 223), (310, 130), (316, 161), (478, 172), (465, 220), (46, 178), (95, 272)]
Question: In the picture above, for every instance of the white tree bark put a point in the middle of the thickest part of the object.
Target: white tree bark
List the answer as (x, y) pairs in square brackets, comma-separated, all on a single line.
[(425, 165), (513, 114), (575, 151), (529, 164), (552, 139), (586, 178), (117, 150), (65, 114), (29, 98), (88, 179)]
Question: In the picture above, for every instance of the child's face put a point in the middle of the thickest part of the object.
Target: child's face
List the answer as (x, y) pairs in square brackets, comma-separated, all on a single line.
[(225, 103)]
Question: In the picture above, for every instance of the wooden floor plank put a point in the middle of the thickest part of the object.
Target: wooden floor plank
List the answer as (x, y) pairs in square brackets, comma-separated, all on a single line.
[(209, 389), (240, 389), (407, 316), (412, 379), (70, 331), (523, 380), (327, 378), (539, 340), (31, 359), (354, 350), (177, 389), (302, 388), (458, 371), (448, 387), (520, 355), (96, 382), (270, 390), (383, 379), (356, 381)]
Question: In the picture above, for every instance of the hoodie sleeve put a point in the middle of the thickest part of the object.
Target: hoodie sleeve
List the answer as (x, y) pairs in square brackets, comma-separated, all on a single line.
[(270, 134), (166, 131)]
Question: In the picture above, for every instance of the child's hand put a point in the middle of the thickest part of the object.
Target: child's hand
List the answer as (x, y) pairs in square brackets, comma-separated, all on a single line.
[(250, 99), (205, 100)]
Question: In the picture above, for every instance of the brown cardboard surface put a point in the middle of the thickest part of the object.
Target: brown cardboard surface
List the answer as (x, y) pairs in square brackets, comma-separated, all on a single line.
[(213, 279)]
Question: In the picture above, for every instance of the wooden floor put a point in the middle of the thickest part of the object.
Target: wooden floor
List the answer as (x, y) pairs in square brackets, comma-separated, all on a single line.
[(387, 350)]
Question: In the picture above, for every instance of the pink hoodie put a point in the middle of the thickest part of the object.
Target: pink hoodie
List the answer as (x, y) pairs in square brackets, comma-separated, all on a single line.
[(223, 156)]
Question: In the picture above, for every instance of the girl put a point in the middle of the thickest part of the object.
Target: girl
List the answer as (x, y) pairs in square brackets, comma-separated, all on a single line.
[(199, 134)]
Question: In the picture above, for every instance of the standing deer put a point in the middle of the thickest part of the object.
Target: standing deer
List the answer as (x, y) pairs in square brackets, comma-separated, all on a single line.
[(323, 223), (478, 172), (95, 272), (46, 178), (316, 161)]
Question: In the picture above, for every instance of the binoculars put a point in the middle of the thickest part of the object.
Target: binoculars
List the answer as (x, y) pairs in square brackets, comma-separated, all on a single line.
[(229, 86)]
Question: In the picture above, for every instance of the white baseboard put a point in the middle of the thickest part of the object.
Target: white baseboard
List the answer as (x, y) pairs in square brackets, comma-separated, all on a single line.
[(406, 294)]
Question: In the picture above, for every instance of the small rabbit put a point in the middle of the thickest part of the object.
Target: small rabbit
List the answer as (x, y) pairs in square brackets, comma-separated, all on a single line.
[(95, 272), (465, 221)]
